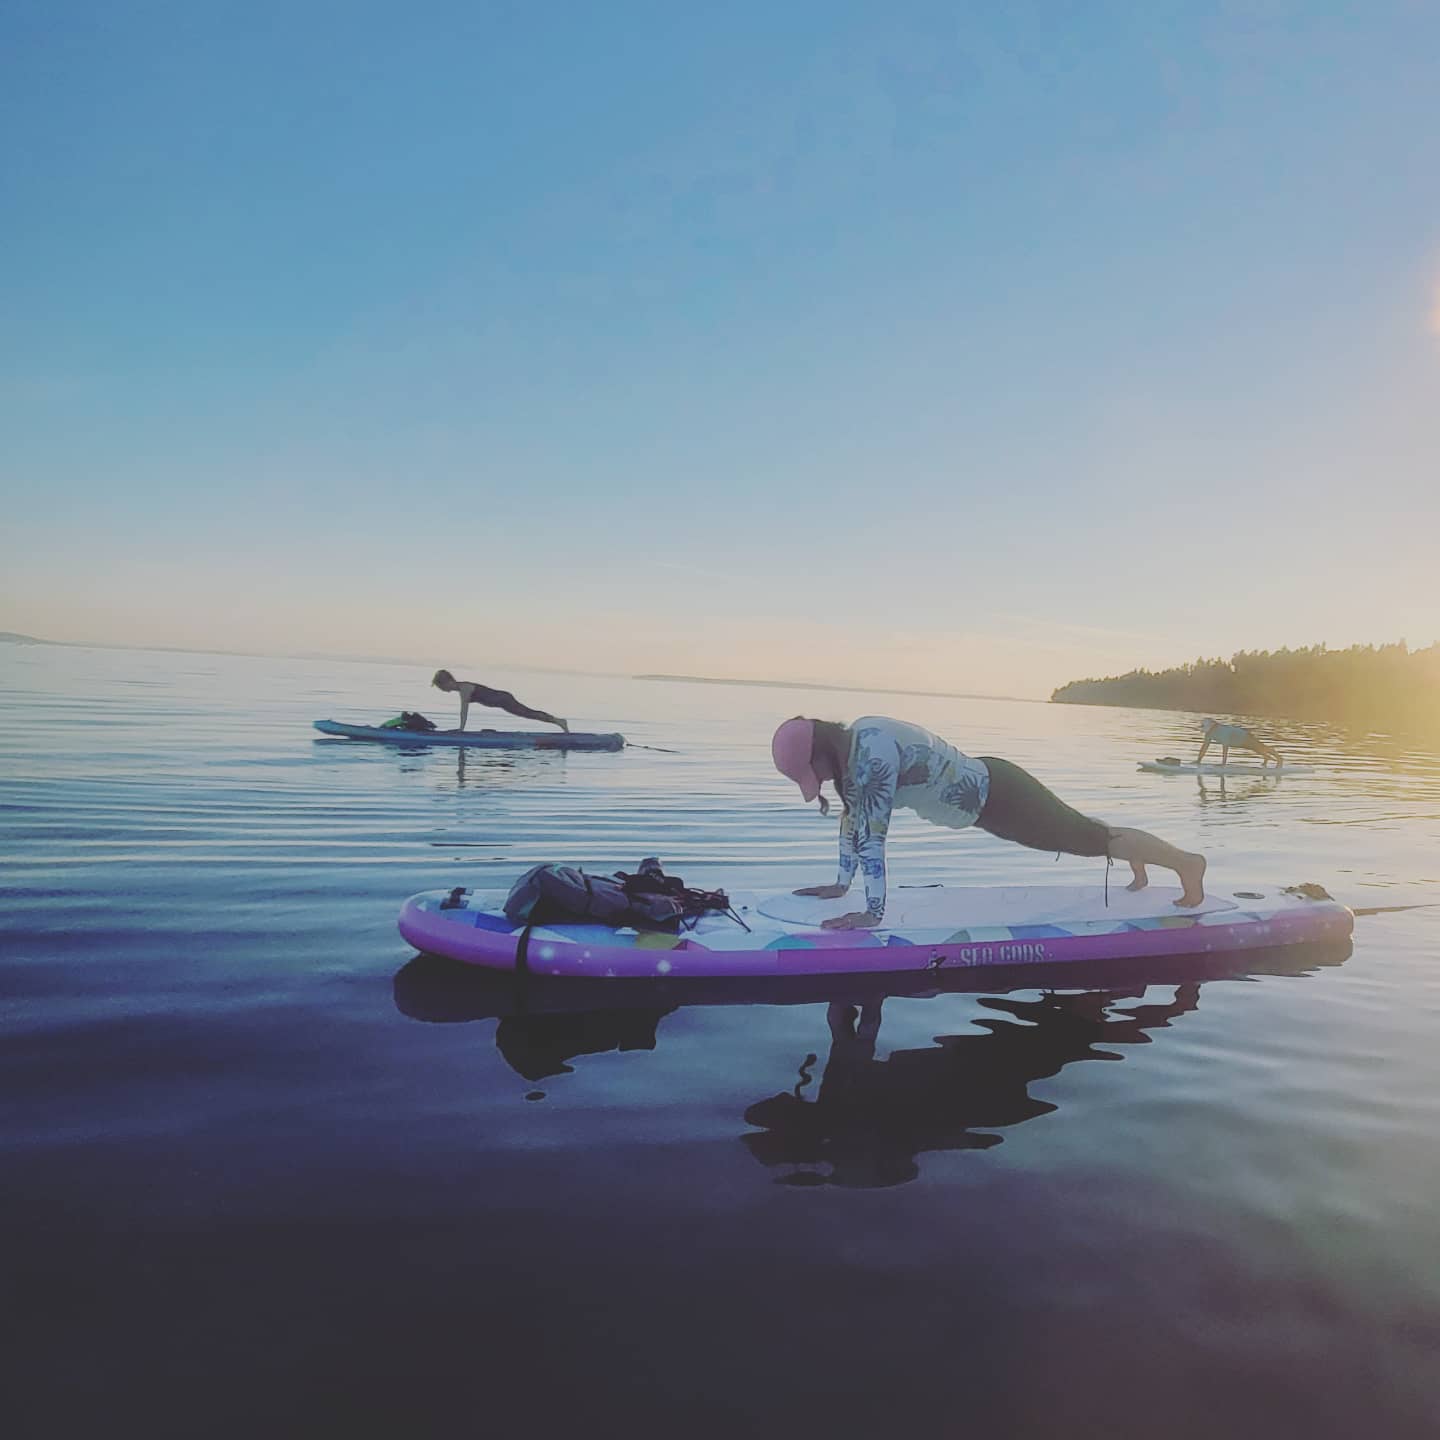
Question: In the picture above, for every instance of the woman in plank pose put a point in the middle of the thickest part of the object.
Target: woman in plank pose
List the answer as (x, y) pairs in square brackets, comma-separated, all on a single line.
[(471, 693), (1236, 737), (877, 763)]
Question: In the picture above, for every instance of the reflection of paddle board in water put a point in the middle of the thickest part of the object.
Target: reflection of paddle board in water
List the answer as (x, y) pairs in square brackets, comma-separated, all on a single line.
[(479, 739), (1167, 766), (934, 928), (433, 989)]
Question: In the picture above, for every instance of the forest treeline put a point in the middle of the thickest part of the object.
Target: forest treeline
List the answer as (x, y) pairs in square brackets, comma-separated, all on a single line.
[(1376, 687)]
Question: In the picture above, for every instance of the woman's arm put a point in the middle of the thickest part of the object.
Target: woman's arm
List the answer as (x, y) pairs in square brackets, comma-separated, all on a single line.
[(849, 863), (869, 801), (849, 856)]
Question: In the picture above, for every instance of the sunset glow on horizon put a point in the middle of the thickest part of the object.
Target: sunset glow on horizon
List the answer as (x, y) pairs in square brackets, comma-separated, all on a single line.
[(969, 354)]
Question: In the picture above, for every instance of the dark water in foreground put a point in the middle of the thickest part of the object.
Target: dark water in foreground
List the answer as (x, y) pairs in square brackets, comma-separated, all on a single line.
[(265, 1172)]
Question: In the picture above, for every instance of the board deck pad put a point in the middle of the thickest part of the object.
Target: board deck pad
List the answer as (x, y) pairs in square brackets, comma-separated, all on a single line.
[(930, 928), (479, 739), (1275, 772), (942, 908)]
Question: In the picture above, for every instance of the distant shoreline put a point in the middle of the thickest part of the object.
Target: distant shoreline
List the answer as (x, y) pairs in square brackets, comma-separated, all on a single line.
[(11, 637), (1386, 689), (8, 637), (852, 689)]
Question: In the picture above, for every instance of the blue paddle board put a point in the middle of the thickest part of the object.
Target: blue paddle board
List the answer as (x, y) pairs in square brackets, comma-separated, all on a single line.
[(478, 739)]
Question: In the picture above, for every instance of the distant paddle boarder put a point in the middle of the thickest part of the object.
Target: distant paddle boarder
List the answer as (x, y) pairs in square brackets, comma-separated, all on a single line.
[(877, 763), (471, 693), (1236, 737)]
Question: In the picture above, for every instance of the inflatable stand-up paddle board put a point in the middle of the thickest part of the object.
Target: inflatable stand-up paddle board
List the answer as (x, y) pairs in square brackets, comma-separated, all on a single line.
[(479, 739), (933, 928), (1166, 766)]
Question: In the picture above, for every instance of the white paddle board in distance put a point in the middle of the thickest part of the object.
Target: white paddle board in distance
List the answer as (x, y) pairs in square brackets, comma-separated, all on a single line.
[(1275, 772)]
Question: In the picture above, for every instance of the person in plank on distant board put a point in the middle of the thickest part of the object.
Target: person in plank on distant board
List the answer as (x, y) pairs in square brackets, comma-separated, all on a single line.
[(1235, 737), (471, 693), (877, 763)]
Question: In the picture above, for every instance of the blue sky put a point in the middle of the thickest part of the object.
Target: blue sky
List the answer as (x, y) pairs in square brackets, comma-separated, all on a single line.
[(953, 346)]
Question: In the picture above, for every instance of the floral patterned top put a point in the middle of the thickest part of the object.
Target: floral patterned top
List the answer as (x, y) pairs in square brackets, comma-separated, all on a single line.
[(893, 763)]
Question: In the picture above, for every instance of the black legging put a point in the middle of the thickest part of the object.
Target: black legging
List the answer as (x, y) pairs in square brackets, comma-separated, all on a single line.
[(504, 700), (1021, 809)]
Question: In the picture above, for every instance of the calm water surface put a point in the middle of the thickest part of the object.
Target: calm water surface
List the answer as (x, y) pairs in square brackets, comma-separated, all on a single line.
[(265, 1170)]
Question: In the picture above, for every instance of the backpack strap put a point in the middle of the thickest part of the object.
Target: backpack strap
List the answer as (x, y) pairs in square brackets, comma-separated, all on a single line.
[(522, 951)]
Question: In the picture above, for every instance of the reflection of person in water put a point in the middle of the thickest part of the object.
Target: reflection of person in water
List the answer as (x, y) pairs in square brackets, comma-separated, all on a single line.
[(871, 1118), (1216, 790), (537, 1046)]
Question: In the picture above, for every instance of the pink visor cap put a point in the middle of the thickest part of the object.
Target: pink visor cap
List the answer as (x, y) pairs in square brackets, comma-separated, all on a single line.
[(790, 748)]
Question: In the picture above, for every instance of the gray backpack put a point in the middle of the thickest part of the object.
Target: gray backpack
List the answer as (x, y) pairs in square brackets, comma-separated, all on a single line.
[(561, 894), (648, 900)]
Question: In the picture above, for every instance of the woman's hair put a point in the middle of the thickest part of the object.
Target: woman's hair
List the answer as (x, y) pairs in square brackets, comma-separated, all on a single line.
[(832, 734), (442, 677)]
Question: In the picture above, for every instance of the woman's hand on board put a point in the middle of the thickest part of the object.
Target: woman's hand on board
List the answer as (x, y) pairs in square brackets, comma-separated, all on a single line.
[(825, 892), (855, 920)]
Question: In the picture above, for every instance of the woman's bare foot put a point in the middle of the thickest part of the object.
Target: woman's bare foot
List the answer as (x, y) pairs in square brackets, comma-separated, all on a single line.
[(1191, 871), (1142, 878), (564, 725)]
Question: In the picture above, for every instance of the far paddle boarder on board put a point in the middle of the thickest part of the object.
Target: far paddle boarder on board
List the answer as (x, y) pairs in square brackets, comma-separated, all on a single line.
[(1236, 737), (877, 763), (471, 693)]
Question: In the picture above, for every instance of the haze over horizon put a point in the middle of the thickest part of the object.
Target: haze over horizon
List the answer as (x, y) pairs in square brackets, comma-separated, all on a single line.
[(935, 347)]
